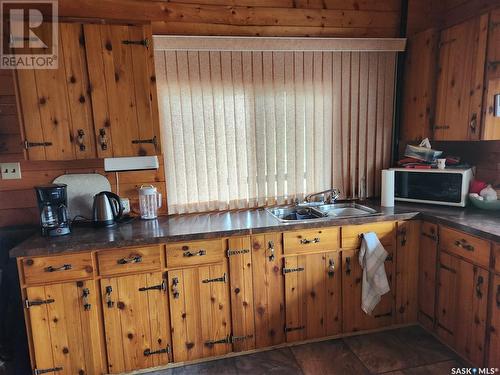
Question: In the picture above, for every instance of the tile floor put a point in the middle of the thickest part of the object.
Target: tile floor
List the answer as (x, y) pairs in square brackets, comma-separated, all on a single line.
[(404, 351)]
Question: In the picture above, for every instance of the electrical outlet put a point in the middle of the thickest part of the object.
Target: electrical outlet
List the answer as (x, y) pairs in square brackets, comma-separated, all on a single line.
[(11, 171), (125, 203)]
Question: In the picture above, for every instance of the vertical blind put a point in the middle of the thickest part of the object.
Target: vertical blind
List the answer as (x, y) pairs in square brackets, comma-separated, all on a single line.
[(247, 128)]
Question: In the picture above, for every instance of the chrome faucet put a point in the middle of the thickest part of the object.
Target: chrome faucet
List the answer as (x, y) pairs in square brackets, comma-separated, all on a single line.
[(330, 196)]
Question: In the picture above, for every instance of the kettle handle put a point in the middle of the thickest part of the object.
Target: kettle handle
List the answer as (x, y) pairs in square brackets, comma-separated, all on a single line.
[(116, 199)]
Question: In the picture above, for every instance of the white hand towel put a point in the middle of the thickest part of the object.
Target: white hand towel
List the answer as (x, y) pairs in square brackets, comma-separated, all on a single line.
[(372, 256)]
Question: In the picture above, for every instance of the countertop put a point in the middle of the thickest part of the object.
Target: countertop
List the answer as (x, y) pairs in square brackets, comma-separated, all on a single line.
[(244, 222)]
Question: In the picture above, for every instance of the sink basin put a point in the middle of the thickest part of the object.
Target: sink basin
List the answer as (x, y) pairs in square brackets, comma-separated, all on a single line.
[(321, 212)]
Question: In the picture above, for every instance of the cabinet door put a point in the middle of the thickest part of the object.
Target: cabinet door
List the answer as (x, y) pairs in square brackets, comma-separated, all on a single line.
[(312, 295), (354, 318), (65, 328), (269, 289), (121, 71), (492, 122), (407, 255), (242, 308), (494, 329), (56, 108), (462, 307), (136, 321), (460, 81), (427, 274), (200, 310)]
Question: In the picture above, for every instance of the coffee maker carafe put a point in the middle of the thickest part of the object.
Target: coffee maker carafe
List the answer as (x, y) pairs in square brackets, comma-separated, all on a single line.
[(52, 203)]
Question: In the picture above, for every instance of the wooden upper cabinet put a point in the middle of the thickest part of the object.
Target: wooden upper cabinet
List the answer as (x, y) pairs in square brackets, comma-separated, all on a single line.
[(55, 105), (65, 328), (123, 89), (462, 56), (491, 129), (100, 102)]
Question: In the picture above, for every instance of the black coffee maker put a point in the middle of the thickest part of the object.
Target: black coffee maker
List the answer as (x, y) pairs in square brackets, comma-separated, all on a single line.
[(52, 203)]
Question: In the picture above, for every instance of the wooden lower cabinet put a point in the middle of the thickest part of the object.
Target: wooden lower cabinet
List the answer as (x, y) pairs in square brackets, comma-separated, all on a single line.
[(65, 328), (493, 357), (136, 321), (353, 317), (312, 295), (462, 306), (200, 311), (427, 261)]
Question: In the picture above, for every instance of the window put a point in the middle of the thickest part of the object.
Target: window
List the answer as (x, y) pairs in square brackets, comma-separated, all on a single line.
[(252, 128)]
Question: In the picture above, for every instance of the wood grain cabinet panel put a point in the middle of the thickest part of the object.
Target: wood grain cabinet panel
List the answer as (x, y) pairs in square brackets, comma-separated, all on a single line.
[(136, 316), (353, 317), (312, 295), (494, 325), (462, 56), (428, 259), (65, 328), (462, 307), (200, 311), (269, 292)]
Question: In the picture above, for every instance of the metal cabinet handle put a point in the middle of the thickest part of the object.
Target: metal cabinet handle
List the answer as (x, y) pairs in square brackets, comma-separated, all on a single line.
[(109, 301), (348, 265), (479, 284), (331, 267), (198, 253), (305, 241), (175, 291), (64, 267), (473, 122), (464, 245), (270, 246), (80, 139), (85, 298), (403, 236), (132, 259), (103, 139)]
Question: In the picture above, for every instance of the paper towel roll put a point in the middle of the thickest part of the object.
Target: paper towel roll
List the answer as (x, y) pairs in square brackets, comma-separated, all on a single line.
[(387, 198)]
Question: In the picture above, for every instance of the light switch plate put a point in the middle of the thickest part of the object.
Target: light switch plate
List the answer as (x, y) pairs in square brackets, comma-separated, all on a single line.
[(11, 171)]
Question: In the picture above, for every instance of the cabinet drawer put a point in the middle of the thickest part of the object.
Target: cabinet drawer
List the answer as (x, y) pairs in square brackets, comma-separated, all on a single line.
[(386, 233), (112, 262), (304, 241), (184, 254), (57, 268), (496, 249), (469, 247)]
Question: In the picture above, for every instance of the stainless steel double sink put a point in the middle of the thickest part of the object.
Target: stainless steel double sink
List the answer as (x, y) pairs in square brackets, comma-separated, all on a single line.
[(320, 212)]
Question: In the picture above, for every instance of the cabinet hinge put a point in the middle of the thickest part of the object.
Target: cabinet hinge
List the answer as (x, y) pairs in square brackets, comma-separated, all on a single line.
[(148, 352), (46, 370), (383, 315), (153, 141), (291, 329), (432, 237), (225, 340), (162, 286), (444, 127), (222, 279), (28, 144), (289, 270), (237, 252), (28, 303), (141, 42), (240, 338)]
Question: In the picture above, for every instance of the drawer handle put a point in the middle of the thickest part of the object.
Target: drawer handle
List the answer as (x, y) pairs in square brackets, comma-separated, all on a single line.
[(498, 296), (198, 253), (64, 267), (175, 291), (331, 268), (132, 259), (149, 352), (479, 292), (85, 298), (270, 246), (464, 245), (109, 301), (348, 265), (305, 241)]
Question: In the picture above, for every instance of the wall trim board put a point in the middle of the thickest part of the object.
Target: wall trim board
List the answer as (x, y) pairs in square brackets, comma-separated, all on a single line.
[(275, 44)]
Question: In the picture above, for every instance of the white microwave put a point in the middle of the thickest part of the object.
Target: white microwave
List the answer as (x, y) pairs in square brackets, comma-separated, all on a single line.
[(448, 187)]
